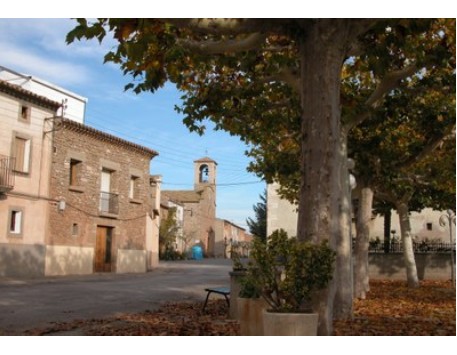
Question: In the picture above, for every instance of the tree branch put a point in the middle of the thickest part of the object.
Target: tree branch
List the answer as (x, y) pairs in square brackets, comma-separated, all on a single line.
[(385, 196), (285, 75), (430, 146), (252, 41), (389, 82), (218, 26)]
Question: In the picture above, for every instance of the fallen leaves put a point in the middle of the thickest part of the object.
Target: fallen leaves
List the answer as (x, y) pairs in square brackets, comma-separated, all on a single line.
[(391, 308), (171, 319)]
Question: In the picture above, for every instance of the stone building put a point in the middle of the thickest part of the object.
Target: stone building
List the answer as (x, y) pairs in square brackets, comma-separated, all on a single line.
[(230, 236), (105, 216), (73, 200), (199, 205), (424, 225)]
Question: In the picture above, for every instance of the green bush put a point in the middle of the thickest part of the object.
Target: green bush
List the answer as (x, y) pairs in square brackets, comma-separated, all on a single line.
[(287, 272)]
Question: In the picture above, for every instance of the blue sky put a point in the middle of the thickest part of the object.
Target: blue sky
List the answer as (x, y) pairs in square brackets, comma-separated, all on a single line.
[(37, 47)]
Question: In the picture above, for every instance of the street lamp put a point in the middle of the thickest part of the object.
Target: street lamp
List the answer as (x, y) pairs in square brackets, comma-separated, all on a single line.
[(449, 218)]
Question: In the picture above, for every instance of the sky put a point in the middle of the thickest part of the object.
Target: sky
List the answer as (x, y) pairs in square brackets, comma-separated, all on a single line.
[(37, 47)]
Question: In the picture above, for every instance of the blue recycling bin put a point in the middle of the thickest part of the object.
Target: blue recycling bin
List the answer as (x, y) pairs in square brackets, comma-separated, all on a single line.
[(197, 252)]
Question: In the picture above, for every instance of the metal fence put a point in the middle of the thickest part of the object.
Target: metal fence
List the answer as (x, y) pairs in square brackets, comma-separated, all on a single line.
[(418, 247), (6, 173), (109, 203), (242, 249)]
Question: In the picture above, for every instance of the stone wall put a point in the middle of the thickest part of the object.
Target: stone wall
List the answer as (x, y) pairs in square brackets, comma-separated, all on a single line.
[(21, 260), (435, 266), (76, 224), (69, 260)]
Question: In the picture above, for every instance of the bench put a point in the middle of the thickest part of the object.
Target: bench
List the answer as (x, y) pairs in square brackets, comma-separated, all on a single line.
[(223, 291)]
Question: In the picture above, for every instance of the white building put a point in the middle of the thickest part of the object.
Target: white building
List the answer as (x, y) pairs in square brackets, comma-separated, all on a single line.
[(74, 105), (424, 225)]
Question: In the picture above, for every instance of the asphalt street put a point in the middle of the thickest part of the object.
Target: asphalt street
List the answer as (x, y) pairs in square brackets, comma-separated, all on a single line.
[(32, 303)]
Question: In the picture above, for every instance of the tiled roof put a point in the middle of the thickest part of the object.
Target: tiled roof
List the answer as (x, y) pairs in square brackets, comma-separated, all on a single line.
[(26, 95), (78, 127), (182, 195), (205, 160)]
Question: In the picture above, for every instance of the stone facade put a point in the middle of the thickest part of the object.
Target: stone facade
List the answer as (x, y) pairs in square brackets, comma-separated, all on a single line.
[(81, 156), (73, 200), (228, 236), (199, 206)]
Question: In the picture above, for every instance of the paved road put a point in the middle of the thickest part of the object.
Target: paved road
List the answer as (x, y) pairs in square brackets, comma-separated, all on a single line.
[(26, 304)]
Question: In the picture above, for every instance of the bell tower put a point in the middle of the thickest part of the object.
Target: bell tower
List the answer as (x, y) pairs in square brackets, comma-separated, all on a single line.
[(204, 173)]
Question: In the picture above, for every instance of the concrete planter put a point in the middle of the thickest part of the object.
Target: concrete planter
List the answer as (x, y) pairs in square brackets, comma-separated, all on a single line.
[(250, 315), (284, 324), (235, 286)]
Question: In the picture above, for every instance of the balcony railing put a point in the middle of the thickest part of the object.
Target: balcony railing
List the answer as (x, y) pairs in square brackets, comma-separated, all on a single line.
[(109, 203), (6, 173)]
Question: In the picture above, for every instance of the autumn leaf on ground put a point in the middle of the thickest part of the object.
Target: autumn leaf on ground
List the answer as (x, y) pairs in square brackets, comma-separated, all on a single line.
[(391, 308)]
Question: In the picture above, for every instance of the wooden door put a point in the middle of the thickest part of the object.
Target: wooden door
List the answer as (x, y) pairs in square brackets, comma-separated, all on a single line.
[(103, 249)]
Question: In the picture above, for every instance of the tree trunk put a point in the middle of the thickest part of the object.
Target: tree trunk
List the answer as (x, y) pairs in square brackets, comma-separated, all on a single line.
[(407, 243), (324, 191), (361, 277), (387, 229)]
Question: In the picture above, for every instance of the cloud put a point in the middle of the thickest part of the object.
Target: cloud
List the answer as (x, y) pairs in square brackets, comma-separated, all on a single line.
[(53, 70), (50, 35)]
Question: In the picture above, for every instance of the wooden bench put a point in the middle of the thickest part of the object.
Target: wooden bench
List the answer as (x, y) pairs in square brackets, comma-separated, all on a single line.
[(223, 291)]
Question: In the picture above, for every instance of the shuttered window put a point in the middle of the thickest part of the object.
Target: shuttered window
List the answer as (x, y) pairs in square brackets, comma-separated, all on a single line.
[(75, 171), (22, 154)]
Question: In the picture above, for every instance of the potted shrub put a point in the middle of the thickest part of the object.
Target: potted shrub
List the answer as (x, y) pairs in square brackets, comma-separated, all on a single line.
[(288, 273)]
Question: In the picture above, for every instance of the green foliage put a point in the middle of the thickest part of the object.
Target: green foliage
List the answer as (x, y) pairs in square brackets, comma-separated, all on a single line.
[(258, 227), (249, 288), (288, 272), (236, 260), (168, 232), (243, 93)]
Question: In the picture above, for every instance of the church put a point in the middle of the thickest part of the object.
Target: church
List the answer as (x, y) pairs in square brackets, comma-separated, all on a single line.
[(199, 206)]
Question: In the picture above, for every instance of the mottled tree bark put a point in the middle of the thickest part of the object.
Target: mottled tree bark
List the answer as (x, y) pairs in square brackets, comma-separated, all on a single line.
[(361, 277), (324, 192), (407, 243)]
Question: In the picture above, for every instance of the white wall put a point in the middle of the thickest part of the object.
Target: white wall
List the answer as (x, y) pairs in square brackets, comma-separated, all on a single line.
[(76, 105), (280, 213), (131, 261), (66, 260)]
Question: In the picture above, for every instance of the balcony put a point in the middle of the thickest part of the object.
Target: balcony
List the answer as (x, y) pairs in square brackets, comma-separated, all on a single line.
[(6, 173), (109, 204)]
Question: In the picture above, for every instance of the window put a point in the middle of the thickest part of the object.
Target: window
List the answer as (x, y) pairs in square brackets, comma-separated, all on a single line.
[(429, 226), (75, 172), (134, 187), (109, 202), (24, 113), (204, 174), (15, 222), (21, 151), (75, 229)]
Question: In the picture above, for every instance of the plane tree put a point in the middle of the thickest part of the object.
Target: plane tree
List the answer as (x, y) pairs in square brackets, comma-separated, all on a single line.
[(246, 75), (399, 152)]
